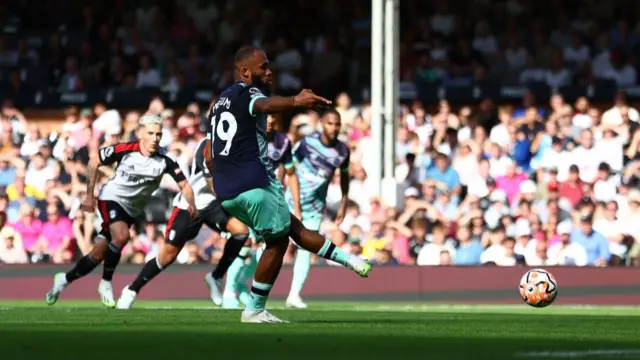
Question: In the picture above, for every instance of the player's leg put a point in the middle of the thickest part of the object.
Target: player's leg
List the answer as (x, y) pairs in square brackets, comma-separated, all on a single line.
[(119, 231), (83, 267), (266, 211), (249, 270), (216, 217), (266, 274), (317, 244), (180, 229), (302, 264)]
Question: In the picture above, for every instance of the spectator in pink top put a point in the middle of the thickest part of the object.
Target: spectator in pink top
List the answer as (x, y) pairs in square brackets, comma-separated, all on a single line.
[(510, 181), (30, 228), (57, 233)]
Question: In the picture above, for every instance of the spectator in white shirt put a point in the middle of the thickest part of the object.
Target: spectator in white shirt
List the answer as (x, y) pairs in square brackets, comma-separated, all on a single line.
[(611, 228), (567, 253), (605, 184), (621, 71), (515, 53), (147, 76), (557, 76), (613, 116), (586, 157), (430, 253), (533, 72), (500, 133), (577, 53)]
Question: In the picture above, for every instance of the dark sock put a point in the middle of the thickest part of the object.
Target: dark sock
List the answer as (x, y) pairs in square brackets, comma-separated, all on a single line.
[(231, 250), (84, 266), (111, 260), (148, 272)]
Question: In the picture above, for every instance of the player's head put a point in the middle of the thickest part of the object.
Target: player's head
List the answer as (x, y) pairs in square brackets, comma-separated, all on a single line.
[(331, 123), (252, 66), (150, 132)]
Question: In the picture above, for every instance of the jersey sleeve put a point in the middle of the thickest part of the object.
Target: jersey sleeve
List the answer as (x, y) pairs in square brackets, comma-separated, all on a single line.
[(201, 160), (344, 167), (173, 169), (287, 157), (114, 153), (299, 151), (254, 94)]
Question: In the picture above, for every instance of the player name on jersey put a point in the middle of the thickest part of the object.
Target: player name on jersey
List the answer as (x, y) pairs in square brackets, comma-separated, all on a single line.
[(239, 158)]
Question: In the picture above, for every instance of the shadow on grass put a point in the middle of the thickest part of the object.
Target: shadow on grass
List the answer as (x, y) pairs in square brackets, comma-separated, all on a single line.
[(277, 342)]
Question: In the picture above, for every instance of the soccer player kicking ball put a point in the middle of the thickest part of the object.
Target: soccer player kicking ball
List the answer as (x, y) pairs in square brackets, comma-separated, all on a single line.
[(281, 161), (317, 157), (247, 186), (122, 199), (182, 228)]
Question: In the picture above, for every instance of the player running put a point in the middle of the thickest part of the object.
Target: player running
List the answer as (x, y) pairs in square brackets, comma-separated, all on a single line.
[(141, 166), (246, 184), (182, 228), (318, 156), (280, 158)]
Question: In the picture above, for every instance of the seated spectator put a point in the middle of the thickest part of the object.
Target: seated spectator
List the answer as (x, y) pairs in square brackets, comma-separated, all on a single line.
[(30, 228), (595, 244), (11, 249), (430, 253), (57, 234), (469, 251), (567, 252)]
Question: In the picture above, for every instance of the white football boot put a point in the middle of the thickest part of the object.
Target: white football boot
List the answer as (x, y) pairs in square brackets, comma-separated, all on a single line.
[(260, 317), (295, 301), (215, 288), (127, 298), (59, 283), (105, 289)]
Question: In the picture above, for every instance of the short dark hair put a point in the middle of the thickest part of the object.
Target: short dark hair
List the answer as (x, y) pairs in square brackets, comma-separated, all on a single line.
[(244, 53), (329, 110)]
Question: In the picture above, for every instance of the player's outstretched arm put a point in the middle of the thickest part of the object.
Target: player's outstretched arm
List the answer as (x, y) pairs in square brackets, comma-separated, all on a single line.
[(277, 104)]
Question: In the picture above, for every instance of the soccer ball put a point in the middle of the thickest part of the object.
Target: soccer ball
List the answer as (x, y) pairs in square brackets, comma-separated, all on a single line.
[(538, 288)]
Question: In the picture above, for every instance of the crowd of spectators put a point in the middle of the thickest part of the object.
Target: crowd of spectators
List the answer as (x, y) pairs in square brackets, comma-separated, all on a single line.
[(534, 185), (543, 183), (170, 45)]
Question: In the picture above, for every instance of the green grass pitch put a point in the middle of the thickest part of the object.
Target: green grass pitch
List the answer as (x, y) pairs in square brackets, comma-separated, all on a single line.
[(327, 330)]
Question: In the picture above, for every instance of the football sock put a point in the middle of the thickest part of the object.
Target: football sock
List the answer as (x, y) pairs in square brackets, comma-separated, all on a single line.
[(84, 266), (329, 251), (111, 260), (301, 268), (148, 272), (259, 295), (231, 251), (234, 274)]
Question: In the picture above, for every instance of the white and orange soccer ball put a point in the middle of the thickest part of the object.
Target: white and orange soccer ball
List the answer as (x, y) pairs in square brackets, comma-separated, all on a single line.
[(538, 288)]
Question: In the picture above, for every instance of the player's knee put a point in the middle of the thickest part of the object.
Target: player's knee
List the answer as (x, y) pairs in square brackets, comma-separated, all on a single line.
[(99, 250), (119, 234), (237, 227), (168, 255)]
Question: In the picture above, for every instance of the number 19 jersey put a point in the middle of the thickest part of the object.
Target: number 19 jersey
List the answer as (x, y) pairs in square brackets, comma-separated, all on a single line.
[(239, 142)]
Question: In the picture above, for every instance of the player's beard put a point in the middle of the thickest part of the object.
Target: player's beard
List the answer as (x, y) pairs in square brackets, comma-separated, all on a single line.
[(257, 82)]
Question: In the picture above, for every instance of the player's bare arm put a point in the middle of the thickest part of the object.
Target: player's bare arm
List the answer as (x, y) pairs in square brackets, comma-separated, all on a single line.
[(277, 104), (89, 203), (344, 187), (209, 163), (294, 186), (187, 192)]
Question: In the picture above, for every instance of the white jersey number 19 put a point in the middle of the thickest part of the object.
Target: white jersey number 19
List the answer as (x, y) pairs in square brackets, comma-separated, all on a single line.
[(228, 134)]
